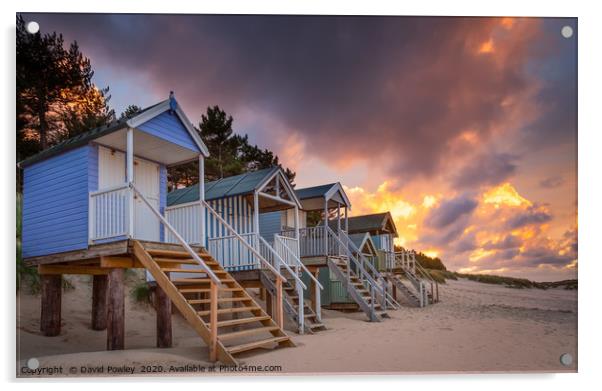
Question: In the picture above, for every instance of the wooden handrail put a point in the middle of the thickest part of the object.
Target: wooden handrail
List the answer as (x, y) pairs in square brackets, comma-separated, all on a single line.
[(175, 233)]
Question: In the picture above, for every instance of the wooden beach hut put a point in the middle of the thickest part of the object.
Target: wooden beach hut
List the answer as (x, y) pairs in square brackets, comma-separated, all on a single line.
[(326, 248), (96, 204), (241, 201)]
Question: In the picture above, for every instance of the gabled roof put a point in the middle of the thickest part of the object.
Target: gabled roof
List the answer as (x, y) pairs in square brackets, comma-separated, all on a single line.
[(242, 184), (362, 239), (322, 191), (136, 120), (378, 222)]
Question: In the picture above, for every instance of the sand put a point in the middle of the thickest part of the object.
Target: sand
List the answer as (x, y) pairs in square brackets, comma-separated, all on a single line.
[(475, 328)]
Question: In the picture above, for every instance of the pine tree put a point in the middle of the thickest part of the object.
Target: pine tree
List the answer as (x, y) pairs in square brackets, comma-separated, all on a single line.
[(55, 94)]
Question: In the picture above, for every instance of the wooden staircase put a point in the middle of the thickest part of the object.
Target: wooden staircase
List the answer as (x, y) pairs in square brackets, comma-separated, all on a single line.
[(241, 324), (339, 265), (411, 297), (311, 323)]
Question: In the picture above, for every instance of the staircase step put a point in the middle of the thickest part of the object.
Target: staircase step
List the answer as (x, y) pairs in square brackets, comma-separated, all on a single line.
[(220, 300), (255, 345), (205, 290), (182, 270), (242, 333), (230, 310), (188, 261), (176, 254), (199, 280), (234, 322)]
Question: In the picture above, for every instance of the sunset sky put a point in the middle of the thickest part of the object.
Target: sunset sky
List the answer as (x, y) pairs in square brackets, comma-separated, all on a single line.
[(464, 128)]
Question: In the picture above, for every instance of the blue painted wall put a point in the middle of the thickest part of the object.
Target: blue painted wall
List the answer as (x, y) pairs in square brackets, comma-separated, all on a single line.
[(270, 224), (168, 127), (55, 202)]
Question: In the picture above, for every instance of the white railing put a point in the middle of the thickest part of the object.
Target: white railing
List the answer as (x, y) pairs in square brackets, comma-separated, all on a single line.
[(109, 211), (186, 219), (232, 254), (180, 239), (287, 248), (291, 248), (312, 243)]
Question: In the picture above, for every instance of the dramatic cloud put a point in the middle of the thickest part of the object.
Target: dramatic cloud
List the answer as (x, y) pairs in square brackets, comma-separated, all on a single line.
[(486, 169), (532, 215), (552, 182), (436, 119), (450, 211)]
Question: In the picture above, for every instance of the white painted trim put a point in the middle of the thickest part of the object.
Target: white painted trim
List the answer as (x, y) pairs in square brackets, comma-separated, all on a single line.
[(162, 107), (338, 187), (287, 186), (182, 205), (277, 199)]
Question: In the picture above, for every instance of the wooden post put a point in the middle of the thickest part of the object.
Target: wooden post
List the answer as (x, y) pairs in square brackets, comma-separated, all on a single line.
[(326, 227), (213, 322), (269, 304), (279, 313), (115, 311), (163, 309), (394, 291), (130, 178), (202, 198), (99, 302), (312, 297), (262, 294), (50, 319), (346, 220), (318, 298)]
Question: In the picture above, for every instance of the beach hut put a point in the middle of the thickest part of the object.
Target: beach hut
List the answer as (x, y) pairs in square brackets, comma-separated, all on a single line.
[(335, 296), (383, 232), (96, 204), (327, 249), (400, 268), (241, 200)]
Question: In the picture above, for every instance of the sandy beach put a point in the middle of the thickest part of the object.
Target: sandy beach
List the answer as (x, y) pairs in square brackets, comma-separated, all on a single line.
[(476, 328)]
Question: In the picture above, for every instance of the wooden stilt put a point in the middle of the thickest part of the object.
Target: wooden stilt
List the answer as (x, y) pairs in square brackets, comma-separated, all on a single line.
[(394, 292), (115, 310), (163, 309), (312, 296), (269, 305), (279, 311), (99, 302), (213, 321), (50, 322), (262, 294)]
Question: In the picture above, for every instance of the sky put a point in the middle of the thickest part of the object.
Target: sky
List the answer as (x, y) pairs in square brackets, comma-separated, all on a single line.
[(465, 129)]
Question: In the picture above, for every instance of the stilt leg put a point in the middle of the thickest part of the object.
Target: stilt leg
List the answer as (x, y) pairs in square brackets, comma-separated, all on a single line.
[(99, 302), (50, 322), (115, 311), (163, 309)]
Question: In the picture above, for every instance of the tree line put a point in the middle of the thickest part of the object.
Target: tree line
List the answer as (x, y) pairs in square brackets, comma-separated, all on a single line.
[(56, 99)]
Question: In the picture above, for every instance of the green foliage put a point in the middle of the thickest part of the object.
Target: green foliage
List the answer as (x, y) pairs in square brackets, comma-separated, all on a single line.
[(130, 111), (141, 293), (56, 98), (25, 274), (425, 261)]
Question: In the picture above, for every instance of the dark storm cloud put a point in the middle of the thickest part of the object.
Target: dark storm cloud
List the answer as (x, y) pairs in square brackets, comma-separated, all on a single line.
[(509, 242), (486, 169), (533, 215), (450, 211), (398, 88), (552, 182)]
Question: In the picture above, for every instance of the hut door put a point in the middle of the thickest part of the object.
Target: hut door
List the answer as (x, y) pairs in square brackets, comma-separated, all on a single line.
[(146, 179)]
